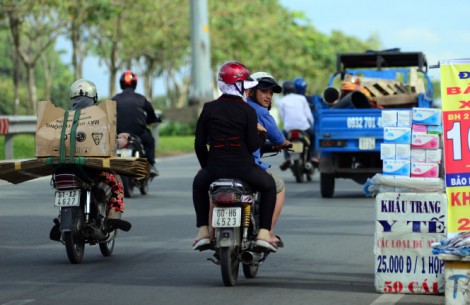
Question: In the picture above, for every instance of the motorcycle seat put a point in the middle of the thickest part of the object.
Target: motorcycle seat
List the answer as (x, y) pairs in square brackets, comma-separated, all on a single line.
[(236, 184)]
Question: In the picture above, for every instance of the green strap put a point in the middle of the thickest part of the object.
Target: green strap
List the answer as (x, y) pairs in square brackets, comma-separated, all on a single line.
[(62, 138), (73, 134)]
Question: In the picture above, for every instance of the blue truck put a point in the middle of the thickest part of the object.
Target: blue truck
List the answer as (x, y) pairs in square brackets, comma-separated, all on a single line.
[(348, 124)]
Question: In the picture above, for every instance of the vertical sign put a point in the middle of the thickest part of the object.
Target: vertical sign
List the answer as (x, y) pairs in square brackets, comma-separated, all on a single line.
[(455, 93)]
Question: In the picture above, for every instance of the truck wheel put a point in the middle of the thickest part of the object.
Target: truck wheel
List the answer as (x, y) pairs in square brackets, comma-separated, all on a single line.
[(327, 185)]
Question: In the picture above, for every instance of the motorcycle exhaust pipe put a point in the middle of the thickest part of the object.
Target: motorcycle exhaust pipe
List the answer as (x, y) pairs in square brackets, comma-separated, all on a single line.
[(308, 166), (249, 258)]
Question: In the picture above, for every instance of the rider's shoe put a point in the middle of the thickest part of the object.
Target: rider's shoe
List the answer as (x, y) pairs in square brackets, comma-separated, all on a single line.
[(115, 221), (154, 171), (285, 165)]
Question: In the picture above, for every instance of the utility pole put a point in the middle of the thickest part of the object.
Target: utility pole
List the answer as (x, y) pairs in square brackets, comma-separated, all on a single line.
[(200, 90)]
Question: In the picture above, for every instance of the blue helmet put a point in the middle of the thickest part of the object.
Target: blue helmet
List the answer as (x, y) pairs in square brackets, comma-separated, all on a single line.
[(300, 85)]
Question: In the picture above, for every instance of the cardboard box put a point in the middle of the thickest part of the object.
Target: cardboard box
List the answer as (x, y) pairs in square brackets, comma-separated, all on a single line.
[(418, 155), (404, 118), (95, 133), (424, 170), (397, 135), (389, 118), (387, 151), (396, 167), (427, 116), (425, 141), (403, 152), (434, 155)]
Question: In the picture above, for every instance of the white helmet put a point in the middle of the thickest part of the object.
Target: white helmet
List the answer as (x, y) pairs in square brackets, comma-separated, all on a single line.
[(83, 87), (266, 81)]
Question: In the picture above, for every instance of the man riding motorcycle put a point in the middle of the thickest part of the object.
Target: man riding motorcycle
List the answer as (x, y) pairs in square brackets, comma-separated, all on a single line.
[(134, 113), (83, 94)]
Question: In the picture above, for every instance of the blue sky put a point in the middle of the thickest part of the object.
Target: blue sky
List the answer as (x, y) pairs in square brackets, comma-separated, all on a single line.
[(438, 28)]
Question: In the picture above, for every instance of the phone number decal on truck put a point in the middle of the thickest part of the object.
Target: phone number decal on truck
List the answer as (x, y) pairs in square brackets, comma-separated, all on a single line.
[(364, 122)]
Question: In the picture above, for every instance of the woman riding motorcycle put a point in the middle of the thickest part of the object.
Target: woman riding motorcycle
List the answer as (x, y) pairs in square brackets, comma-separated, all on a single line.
[(230, 126)]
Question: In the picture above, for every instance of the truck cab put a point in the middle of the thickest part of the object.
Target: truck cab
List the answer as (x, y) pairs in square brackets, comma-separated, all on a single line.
[(348, 127)]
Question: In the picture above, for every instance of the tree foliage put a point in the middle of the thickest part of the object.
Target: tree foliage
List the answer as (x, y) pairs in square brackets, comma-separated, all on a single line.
[(153, 38)]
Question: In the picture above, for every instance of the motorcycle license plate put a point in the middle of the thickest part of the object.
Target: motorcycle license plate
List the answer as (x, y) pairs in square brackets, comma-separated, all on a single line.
[(124, 152), (226, 217), (70, 198), (366, 143), (297, 147)]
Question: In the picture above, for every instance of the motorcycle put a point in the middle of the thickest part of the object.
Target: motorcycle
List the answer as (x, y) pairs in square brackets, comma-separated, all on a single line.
[(83, 205), (235, 226), (134, 148), (300, 157)]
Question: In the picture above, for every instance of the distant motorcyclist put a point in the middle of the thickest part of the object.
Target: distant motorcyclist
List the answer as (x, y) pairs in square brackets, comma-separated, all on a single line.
[(301, 88), (295, 114), (134, 114), (83, 94)]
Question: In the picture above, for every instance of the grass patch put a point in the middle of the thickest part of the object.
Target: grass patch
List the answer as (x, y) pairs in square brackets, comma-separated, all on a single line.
[(24, 146)]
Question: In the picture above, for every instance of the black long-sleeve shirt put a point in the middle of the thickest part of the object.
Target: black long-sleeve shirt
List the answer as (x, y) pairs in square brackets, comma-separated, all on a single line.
[(229, 125), (134, 112)]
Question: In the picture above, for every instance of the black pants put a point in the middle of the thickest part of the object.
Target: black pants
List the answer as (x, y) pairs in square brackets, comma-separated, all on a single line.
[(149, 145), (254, 175)]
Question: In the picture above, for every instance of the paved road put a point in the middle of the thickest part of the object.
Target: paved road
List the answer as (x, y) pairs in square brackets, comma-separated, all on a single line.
[(328, 257)]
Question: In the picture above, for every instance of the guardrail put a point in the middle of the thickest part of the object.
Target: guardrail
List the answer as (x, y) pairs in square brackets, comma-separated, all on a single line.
[(13, 125)]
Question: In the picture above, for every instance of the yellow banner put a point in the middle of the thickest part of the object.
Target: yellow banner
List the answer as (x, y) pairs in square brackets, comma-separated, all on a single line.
[(458, 209), (455, 84)]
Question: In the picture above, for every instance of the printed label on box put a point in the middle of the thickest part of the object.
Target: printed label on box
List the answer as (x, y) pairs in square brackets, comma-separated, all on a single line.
[(418, 155), (403, 152), (389, 118), (424, 170), (396, 167), (425, 141), (387, 151), (434, 155), (427, 116), (397, 135), (404, 118)]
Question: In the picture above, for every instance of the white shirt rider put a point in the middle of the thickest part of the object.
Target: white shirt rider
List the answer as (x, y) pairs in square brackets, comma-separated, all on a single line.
[(295, 112)]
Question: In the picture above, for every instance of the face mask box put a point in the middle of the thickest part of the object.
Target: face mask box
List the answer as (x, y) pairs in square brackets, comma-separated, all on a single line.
[(397, 135), (418, 155), (404, 118), (425, 141), (396, 167), (424, 170), (403, 152), (387, 151), (389, 118), (427, 116), (434, 155)]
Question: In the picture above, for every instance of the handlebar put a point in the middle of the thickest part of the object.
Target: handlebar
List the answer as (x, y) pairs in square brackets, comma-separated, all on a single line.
[(270, 148)]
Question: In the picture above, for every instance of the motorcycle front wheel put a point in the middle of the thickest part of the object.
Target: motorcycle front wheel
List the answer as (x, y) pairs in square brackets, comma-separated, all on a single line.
[(107, 248), (229, 265), (128, 186), (144, 188), (297, 168)]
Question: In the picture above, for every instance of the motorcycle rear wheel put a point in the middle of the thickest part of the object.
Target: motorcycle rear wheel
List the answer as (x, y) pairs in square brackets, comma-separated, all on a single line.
[(74, 246), (106, 249), (229, 265), (297, 168)]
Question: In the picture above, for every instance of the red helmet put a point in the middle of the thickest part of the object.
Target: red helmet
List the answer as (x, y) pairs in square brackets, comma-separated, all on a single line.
[(233, 71), (128, 79)]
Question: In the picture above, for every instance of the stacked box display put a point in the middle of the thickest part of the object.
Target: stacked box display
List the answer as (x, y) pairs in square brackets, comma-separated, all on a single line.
[(414, 136)]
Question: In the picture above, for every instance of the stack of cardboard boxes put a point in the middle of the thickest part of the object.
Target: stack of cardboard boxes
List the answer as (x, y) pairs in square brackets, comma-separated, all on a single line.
[(412, 145)]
